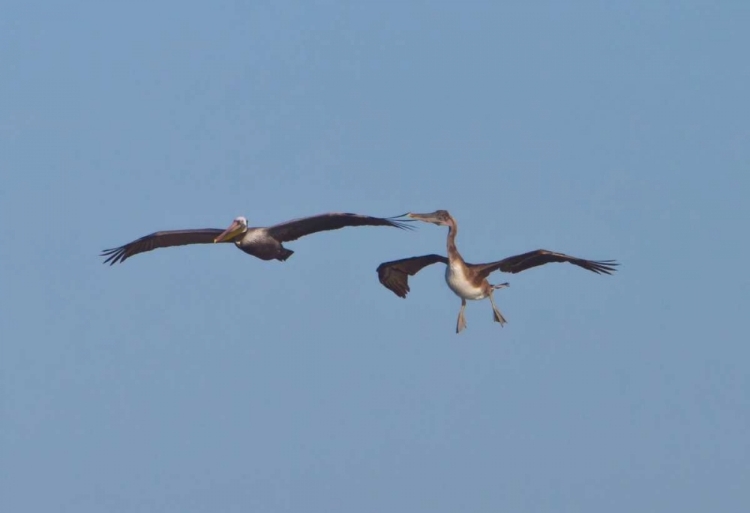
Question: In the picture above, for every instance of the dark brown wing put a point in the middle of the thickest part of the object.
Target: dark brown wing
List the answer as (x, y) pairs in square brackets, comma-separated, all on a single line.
[(395, 275), (518, 263), (296, 228), (164, 239)]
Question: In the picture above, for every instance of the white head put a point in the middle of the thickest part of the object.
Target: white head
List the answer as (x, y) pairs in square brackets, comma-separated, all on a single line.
[(238, 227)]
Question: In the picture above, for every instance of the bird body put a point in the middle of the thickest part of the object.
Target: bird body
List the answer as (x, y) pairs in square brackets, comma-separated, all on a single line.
[(458, 281), (469, 281), (258, 243), (264, 243)]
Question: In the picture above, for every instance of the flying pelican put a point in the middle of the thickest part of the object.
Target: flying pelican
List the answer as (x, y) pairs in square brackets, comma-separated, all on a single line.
[(469, 281), (263, 243)]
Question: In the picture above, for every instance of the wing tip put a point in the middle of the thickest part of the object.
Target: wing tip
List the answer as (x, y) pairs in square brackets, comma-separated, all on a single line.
[(604, 266), (401, 224), (388, 281), (114, 255), (401, 292)]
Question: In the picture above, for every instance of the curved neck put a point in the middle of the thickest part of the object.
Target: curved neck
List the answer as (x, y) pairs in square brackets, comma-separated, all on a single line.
[(453, 253)]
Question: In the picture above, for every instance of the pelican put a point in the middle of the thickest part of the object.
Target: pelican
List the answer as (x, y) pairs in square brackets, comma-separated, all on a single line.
[(263, 243), (469, 281)]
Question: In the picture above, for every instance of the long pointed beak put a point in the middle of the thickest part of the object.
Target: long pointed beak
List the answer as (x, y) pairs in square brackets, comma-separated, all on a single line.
[(428, 218), (234, 229)]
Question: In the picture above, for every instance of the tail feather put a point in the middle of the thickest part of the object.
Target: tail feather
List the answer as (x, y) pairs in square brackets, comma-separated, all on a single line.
[(284, 254)]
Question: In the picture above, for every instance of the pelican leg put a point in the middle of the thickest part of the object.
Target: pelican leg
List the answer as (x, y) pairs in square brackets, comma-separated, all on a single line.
[(461, 324), (497, 316)]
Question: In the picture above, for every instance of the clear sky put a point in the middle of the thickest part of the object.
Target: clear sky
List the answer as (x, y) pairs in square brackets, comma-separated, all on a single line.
[(200, 379)]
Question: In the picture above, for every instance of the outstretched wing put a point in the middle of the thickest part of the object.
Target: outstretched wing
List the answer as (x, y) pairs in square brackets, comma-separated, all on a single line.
[(518, 263), (395, 275), (296, 228), (163, 239)]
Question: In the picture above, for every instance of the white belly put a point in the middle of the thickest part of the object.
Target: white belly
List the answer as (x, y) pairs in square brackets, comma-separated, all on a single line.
[(460, 286)]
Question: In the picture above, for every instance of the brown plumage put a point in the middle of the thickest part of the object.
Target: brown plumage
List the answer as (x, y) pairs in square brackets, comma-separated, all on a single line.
[(469, 281), (263, 242), (395, 274)]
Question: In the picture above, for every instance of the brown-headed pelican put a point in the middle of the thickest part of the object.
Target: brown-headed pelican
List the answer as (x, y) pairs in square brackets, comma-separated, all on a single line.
[(263, 243), (469, 281)]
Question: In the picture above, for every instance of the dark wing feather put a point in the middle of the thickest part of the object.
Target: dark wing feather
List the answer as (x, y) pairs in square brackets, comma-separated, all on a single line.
[(518, 263), (296, 228), (163, 239), (394, 275)]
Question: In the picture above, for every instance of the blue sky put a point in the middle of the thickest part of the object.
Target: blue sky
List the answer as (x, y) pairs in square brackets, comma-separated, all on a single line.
[(201, 380)]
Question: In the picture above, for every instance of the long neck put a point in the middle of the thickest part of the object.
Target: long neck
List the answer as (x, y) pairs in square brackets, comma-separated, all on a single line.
[(453, 253)]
